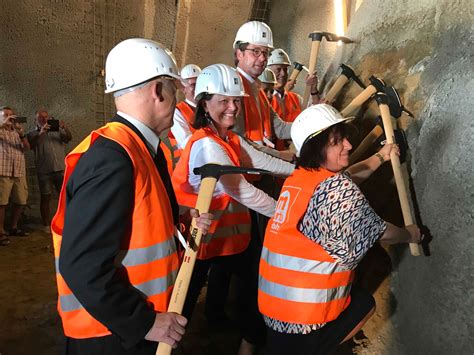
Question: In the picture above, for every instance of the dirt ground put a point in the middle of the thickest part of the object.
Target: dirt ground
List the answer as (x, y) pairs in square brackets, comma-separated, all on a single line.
[(29, 323)]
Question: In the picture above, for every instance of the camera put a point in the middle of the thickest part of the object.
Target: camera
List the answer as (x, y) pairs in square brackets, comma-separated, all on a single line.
[(53, 125), (20, 119)]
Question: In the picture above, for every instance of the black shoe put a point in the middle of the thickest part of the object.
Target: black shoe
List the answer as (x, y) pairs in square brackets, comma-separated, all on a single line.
[(16, 232)]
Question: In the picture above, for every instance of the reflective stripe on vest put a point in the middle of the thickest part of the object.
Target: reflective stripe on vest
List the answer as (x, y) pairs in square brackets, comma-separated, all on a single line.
[(148, 259), (299, 282), (157, 286), (188, 114), (299, 294), (300, 264), (229, 232)]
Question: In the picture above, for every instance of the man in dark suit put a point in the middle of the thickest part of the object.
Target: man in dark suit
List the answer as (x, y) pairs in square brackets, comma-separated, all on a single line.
[(115, 253)]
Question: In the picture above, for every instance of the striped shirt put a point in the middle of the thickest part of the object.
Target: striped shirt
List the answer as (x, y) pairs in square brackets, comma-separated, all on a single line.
[(340, 219), (12, 159)]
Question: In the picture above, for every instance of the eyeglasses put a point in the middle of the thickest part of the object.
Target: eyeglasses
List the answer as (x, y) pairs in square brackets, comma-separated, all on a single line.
[(257, 52)]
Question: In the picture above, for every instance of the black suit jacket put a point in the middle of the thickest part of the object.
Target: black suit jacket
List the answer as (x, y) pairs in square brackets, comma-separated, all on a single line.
[(99, 205)]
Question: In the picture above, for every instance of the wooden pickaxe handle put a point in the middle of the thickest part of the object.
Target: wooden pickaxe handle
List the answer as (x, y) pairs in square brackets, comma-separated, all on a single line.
[(298, 67), (313, 58), (358, 101), (376, 85), (180, 290), (347, 73), (336, 88), (369, 139), (397, 173)]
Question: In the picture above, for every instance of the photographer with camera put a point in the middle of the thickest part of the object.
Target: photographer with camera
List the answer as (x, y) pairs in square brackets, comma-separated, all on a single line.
[(13, 185), (48, 140)]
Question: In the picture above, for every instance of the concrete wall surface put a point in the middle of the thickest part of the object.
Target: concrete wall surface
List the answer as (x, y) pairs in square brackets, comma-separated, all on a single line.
[(425, 49), (52, 52), (205, 30)]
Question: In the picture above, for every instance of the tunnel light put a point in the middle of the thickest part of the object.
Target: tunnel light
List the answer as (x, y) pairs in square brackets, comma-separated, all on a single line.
[(341, 19)]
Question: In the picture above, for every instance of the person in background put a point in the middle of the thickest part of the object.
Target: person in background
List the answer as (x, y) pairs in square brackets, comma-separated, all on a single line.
[(258, 122), (288, 104), (183, 116), (322, 228), (49, 146), (268, 81), (219, 92), (113, 233), (13, 144)]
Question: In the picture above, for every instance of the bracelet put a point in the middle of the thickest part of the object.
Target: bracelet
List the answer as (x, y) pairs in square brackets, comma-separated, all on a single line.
[(315, 93), (378, 155)]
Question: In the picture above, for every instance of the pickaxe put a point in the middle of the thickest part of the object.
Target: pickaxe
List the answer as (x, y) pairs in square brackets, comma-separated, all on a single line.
[(375, 136), (347, 73), (316, 38), (294, 74), (210, 173), (376, 85), (367, 142), (383, 102)]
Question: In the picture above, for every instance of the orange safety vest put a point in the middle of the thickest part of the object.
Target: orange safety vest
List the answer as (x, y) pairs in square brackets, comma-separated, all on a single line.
[(188, 114), (257, 122), (287, 107), (148, 257), (299, 282), (229, 232)]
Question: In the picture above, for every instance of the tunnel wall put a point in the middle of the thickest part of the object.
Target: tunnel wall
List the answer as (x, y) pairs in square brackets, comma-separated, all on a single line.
[(52, 53), (424, 49)]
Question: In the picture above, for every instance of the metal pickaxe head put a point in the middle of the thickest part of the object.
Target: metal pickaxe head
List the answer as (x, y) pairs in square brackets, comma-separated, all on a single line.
[(395, 103), (216, 170), (330, 37), (379, 84), (298, 66), (349, 73)]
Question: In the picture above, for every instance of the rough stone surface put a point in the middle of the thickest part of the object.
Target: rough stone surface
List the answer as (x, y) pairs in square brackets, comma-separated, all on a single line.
[(205, 30), (52, 52), (424, 49)]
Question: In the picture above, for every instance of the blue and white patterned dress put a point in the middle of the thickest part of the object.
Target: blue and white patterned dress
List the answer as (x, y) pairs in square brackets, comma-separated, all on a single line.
[(340, 219)]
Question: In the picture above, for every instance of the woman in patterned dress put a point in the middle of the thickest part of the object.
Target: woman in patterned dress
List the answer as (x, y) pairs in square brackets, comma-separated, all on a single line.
[(322, 228)]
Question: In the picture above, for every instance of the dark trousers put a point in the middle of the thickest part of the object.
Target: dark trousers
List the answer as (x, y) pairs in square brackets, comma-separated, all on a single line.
[(326, 339), (250, 321), (108, 345)]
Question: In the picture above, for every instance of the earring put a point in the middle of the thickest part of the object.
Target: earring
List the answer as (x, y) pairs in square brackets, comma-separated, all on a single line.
[(207, 116)]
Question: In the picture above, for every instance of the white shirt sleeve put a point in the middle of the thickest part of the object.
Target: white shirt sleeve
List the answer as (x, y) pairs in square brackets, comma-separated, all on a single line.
[(254, 158), (282, 129), (180, 129), (205, 151)]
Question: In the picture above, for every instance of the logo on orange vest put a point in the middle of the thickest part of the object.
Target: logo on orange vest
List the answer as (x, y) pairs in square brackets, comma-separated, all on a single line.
[(286, 199)]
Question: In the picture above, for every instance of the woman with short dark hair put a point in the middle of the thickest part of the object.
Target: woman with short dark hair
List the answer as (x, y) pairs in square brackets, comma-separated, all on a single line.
[(322, 228)]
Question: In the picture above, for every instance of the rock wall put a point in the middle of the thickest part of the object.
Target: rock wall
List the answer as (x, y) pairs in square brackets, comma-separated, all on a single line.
[(424, 49)]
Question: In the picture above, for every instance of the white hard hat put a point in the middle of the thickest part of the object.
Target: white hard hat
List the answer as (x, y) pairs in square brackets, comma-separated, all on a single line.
[(278, 56), (313, 121), (190, 71), (219, 79), (268, 76), (254, 32), (135, 61)]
